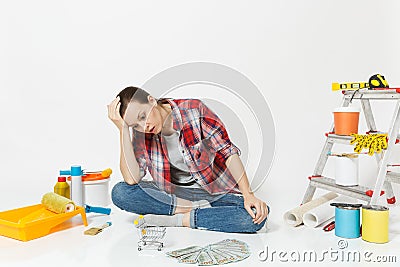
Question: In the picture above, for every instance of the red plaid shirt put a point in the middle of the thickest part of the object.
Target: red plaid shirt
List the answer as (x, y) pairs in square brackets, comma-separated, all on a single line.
[(204, 143)]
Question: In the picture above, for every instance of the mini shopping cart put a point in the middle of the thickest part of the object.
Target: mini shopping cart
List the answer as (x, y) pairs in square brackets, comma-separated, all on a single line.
[(149, 235)]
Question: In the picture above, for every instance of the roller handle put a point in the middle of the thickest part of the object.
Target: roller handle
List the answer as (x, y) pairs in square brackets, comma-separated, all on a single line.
[(100, 210), (65, 172)]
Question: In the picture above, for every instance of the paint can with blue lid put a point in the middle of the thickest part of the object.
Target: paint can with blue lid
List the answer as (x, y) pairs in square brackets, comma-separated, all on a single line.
[(347, 220)]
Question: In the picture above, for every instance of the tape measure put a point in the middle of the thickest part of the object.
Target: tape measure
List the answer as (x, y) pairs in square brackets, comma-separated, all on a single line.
[(378, 81), (375, 81)]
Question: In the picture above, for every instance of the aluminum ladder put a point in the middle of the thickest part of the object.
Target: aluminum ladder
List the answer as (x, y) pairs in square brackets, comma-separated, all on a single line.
[(385, 177)]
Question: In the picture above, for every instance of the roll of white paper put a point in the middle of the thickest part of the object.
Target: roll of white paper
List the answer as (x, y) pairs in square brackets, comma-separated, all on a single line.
[(346, 171), (294, 217), (323, 213)]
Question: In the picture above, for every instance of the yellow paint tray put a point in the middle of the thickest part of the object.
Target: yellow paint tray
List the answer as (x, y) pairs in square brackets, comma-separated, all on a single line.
[(35, 221)]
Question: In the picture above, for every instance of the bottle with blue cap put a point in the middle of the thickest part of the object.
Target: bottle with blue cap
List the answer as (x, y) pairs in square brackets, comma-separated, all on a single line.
[(76, 184)]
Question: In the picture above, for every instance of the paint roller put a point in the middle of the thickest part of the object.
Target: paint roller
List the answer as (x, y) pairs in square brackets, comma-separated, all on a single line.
[(51, 203), (57, 203)]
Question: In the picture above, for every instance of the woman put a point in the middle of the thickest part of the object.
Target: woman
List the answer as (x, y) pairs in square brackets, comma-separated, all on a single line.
[(198, 178)]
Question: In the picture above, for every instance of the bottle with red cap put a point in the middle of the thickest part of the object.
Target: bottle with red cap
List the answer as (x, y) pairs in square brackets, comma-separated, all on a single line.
[(62, 188)]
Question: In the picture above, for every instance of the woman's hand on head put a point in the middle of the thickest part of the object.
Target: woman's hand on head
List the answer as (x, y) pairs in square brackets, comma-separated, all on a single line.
[(114, 116)]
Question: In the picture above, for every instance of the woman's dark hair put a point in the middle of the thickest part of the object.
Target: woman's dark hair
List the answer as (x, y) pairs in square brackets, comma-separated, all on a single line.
[(131, 93)]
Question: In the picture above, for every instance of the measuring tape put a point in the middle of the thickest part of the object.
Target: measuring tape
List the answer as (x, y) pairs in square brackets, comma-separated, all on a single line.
[(378, 81), (375, 81), (372, 142)]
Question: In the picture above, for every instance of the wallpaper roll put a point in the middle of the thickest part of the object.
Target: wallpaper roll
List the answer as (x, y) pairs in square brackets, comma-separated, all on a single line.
[(322, 213), (294, 217)]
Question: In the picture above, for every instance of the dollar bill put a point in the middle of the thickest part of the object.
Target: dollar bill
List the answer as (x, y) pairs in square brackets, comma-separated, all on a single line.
[(237, 254), (223, 252), (205, 259), (189, 258), (220, 258), (184, 251)]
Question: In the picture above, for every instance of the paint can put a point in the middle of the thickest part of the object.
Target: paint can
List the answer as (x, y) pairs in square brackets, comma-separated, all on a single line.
[(347, 220), (96, 189), (375, 224), (346, 171)]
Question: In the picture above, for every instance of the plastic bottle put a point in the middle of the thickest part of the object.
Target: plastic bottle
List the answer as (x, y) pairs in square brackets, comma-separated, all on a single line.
[(62, 188), (76, 185)]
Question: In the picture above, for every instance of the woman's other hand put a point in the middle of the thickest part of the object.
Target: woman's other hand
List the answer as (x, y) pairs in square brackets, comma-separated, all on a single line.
[(113, 114), (251, 201)]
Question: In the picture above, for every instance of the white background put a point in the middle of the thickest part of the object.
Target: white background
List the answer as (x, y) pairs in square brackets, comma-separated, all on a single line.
[(62, 62)]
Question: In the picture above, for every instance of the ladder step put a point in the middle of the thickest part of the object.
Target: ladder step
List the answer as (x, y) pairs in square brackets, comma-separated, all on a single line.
[(345, 139), (393, 177), (329, 184), (373, 94), (341, 139)]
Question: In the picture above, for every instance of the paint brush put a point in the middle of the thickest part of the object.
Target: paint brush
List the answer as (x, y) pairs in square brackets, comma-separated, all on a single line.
[(96, 230), (347, 155)]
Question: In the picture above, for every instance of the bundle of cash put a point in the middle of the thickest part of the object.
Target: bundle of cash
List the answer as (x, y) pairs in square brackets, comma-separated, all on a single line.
[(225, 251)]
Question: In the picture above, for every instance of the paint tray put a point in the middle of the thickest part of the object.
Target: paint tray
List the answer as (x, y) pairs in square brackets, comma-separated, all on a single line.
[(35, 221)]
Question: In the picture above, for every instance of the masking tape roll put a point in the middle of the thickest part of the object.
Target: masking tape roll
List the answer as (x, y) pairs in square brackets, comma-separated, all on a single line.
[(57, 203)]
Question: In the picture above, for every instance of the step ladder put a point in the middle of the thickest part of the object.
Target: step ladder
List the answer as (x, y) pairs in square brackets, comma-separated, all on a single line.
[(385, 178)]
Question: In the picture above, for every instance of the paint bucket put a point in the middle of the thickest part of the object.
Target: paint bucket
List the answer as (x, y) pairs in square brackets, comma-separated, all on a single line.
[(346, 120), (346, 171), (375, 224), (347, 220), (96, 189)]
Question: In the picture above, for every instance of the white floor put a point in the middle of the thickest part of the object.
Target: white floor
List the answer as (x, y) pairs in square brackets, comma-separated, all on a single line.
[(117, 245)]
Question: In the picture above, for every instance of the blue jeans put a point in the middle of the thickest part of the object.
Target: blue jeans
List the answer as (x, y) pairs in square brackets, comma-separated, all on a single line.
[(227, 212)]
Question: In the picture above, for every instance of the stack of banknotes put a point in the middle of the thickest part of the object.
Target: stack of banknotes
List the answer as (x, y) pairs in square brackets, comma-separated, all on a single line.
[(225, 251)]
